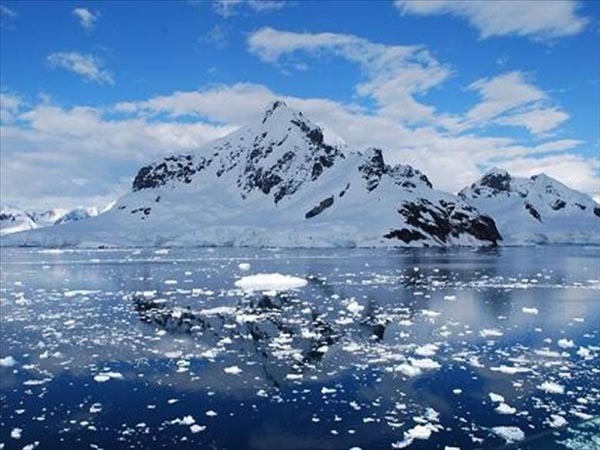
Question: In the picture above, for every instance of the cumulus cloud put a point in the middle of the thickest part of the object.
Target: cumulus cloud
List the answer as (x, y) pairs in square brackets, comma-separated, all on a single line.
[(228, 8), (10, 104), (511, 99), (216, 36), (88, 66), (54, 148), (535, 19), (87, 19), (395, 74), (107, 146)]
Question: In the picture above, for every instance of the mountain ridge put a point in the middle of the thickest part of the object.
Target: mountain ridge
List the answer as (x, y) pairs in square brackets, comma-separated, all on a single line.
[(279, 182)]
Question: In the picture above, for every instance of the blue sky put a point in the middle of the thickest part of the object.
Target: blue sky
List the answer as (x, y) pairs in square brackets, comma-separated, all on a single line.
[(93, 90)]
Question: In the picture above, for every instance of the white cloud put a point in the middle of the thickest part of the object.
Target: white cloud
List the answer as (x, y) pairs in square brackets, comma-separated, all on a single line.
[(88, 66), (510, 99), (537, 120), (539, 20), (53, 148), (395, 74), (228, 8), (87, 19), (107, 146), (10, 104), (216, 36), (7, 12)]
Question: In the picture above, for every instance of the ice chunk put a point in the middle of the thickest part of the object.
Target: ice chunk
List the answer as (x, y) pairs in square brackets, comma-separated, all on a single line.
[(197, 428), (504, 408), (7, 361), (233, 370), (105, 376), (270, 282), (244, 266), (551, 387), (509, 434)]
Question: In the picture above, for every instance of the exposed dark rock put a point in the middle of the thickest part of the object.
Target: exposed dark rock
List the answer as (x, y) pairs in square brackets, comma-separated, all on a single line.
[(558, 204), (445, 220), (343, 192), (498, 182), (373, 168), (406, 235), (180, 167), (319, 208), (536, 215), (597, 211), (580, 206)]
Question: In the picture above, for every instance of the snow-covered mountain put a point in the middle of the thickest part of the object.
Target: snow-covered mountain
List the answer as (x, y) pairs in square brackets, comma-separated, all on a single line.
[(76, 215), (278, 182), (539, 209), (13, 220)]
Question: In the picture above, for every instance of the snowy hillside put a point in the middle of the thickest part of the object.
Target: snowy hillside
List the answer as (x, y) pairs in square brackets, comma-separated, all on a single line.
[(13, 220), (281, 181), (535, 210)]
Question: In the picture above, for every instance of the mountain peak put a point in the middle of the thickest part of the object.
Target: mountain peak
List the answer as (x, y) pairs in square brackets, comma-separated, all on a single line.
[(275, 105)]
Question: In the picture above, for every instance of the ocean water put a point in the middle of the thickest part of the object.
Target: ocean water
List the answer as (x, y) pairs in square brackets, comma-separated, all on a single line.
[(381, 349)]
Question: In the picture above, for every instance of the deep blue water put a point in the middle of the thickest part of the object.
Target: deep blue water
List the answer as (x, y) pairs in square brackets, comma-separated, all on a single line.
[(378, 343)]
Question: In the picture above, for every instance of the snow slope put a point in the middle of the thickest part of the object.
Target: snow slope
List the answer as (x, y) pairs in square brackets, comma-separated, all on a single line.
[(536, 210), (277, 182), (13, 220)]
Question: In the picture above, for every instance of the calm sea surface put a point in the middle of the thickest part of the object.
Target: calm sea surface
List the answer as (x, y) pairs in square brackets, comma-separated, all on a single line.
[(382, 349)]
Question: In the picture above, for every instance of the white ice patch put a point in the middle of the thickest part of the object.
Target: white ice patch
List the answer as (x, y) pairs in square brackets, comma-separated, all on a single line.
[(426, 350), (16, 433), (490, 333), (527, 310), (510, 370), (556, 421), (566, 343), (270, 282), (496, 398), (244, 266), (7, 361), (233, 370), (509, 434), (105, 376), (551, 387), (504, 408)]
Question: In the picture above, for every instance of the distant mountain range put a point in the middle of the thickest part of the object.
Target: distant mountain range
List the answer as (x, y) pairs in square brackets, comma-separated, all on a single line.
[(13, 220), (283, 181)]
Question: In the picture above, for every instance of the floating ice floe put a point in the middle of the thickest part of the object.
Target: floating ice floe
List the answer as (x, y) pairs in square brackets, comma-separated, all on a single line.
[(197, 428), (233, 370), (504, 408), (105, 376), (426, 350), (7, 361), (527, 310), (244, 266), (509, 434), (496, 398), (556, 421), (551, 387), (510, 370), (276, 282), (566, 343), (490, 333)]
